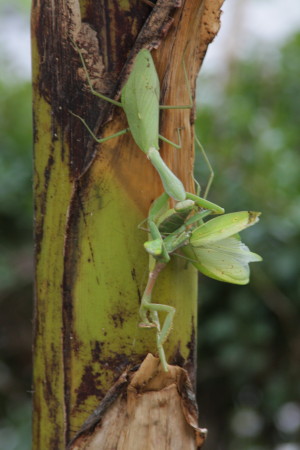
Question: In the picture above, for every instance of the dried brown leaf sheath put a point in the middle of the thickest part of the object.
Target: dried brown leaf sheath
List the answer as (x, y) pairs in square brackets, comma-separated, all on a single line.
[(147, 409)]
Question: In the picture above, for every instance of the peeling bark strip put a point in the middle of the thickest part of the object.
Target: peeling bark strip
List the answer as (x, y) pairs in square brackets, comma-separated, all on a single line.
[(143, 410), (89, 200)]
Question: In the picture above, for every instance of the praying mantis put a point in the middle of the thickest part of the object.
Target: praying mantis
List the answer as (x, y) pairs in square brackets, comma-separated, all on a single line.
[(213, 247)]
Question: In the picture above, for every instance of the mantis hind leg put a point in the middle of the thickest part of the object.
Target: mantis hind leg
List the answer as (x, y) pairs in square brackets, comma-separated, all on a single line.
[(212, 174), (171, 142)]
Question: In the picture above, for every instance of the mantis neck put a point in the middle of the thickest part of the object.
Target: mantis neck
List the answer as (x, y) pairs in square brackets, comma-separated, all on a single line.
[(172, 185)]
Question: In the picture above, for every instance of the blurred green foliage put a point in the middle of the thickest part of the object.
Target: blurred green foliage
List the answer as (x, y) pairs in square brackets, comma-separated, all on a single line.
[(249, 337), (16, 244), (15, 182), (16, 274)]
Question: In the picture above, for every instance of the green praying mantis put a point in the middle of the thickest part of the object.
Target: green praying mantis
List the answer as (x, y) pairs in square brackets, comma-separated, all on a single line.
[(140, 101), (213, 247)]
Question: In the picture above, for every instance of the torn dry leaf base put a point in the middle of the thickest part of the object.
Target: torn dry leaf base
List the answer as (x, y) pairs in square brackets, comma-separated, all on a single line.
[(143, 410)]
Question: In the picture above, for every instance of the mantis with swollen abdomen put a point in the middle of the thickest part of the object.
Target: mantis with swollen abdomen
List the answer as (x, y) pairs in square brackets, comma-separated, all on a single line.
[(140, 101), (213, 247)]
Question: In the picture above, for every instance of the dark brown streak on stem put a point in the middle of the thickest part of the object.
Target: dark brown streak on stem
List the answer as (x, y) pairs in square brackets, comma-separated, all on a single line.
[(69, 337)]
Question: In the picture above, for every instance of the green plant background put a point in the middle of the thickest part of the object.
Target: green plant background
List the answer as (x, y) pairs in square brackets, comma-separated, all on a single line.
[(249, 337)]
